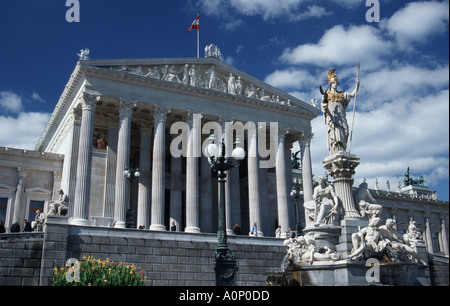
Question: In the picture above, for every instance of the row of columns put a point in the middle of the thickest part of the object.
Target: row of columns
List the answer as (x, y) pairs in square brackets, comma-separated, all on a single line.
[(193, 202)]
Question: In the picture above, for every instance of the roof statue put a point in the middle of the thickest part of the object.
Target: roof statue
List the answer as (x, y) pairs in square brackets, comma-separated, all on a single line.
[(213, 51), (84, 54), (409, 181)]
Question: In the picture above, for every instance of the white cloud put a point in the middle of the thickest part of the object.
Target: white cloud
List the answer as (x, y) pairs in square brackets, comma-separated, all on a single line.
[(37, 97), (408, 132), (313, 11), (406, 80), (417, 21), (292, 78), (10, 102), (268, 9), (16, 132), (342, 46)]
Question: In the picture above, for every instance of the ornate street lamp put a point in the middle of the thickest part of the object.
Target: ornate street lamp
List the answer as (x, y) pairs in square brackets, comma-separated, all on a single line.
[(297, 194), (131, 175), (224, 260)]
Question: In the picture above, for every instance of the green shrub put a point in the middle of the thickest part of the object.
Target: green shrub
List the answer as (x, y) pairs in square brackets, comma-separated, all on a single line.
[(95, 272)]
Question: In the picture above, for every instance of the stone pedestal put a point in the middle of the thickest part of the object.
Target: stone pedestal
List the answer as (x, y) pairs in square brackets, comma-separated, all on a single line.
[(323, 236), (342, 168), (348, 227), (351, 273)]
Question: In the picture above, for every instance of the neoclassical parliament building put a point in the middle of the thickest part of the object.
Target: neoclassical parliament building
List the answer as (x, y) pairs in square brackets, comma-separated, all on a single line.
[(123, 114), (153, 118)]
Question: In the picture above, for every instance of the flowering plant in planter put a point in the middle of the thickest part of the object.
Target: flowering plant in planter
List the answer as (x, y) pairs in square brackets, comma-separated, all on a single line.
[(97, 272)]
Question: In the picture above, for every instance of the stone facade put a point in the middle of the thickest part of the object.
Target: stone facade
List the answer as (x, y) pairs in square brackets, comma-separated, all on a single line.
[(117, 114), (29, 180)]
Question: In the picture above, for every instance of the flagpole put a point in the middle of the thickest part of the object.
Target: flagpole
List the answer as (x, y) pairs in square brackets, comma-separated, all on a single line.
[(198, 43), (198, 36)]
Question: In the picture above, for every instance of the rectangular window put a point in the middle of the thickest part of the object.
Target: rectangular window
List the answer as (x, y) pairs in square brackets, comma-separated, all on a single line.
[(34, 206), (3, 205), (435, 240)]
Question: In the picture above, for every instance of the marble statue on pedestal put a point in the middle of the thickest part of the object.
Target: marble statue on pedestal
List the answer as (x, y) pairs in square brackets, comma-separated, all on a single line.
[(60, 207), (38, 222), (324, 208), (334, 104)]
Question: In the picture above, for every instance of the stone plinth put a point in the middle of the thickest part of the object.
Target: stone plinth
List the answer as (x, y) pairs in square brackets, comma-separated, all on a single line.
[(351, 273), (349, 227), (323, 236)]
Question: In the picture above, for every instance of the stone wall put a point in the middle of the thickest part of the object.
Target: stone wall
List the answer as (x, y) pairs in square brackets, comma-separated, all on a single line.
[(438, 268), (168, 258), (177, 259), (20, 259)]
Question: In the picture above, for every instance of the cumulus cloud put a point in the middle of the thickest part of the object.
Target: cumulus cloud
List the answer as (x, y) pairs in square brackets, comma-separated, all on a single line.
[(10, 101), (15, 132), (37, 97), (406, 80), (15, 123), (408, 132), (293, 10), (341, 46), (292, 78), (418, 21)]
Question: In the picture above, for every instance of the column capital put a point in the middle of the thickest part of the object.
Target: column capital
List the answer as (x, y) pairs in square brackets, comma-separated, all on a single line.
[(23, 172), (282, 132), (305, 138), (160, 112), (126, 106), (76, 116), (89, 101)]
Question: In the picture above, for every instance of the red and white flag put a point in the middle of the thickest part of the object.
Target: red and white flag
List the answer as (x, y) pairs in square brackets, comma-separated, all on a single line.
[(195, 24)]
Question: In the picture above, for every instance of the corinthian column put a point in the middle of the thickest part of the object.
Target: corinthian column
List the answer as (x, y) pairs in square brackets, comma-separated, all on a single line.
[(253, 182), (144, 179), (22, 173), (192, 188), (123, 157), (282, 192), (158, 171), (84, 165), (305, 146)]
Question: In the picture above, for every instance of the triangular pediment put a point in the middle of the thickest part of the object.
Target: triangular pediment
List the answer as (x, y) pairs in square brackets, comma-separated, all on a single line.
[(201, 74)]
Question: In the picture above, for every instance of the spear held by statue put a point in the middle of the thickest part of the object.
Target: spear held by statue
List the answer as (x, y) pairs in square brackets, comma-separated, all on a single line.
[(354, 110)]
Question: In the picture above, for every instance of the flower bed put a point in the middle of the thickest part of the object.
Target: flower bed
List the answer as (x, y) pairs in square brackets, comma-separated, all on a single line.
[(97, 272)]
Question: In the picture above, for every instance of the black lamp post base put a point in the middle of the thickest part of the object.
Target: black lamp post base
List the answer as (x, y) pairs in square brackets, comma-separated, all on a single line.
[(225, 265)]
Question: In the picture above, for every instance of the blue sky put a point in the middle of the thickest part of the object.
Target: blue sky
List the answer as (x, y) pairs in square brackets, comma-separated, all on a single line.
[(402, 117)]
